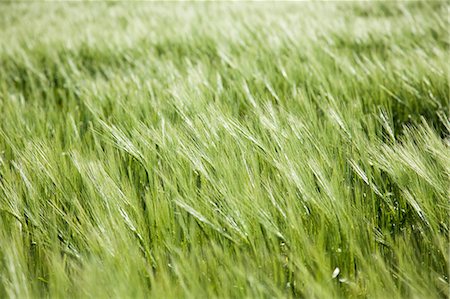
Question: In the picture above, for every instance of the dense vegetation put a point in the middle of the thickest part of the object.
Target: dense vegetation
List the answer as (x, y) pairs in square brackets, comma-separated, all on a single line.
[(232, 150)]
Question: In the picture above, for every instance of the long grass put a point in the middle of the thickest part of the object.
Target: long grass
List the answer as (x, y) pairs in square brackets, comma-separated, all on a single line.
[(224, 150)]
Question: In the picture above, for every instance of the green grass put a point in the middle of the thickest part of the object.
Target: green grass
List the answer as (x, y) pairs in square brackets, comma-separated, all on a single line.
[(230, 150)]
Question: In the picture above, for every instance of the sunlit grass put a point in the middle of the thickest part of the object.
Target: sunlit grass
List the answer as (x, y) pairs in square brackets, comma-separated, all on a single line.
[(232, 150)]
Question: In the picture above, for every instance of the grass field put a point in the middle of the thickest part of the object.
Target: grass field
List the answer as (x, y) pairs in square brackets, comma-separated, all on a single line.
[(224, 150)]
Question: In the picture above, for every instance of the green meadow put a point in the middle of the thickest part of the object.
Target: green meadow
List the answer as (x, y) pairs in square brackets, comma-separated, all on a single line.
[(224, 150)]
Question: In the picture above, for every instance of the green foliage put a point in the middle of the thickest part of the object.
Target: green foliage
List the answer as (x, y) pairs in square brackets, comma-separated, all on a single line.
[(230, 150)]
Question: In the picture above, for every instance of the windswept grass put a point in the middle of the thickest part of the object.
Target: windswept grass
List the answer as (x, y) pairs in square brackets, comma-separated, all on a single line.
[(229, 150)]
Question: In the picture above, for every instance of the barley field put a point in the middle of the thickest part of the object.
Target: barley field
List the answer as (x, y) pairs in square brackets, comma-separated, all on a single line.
[(224, 150)]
